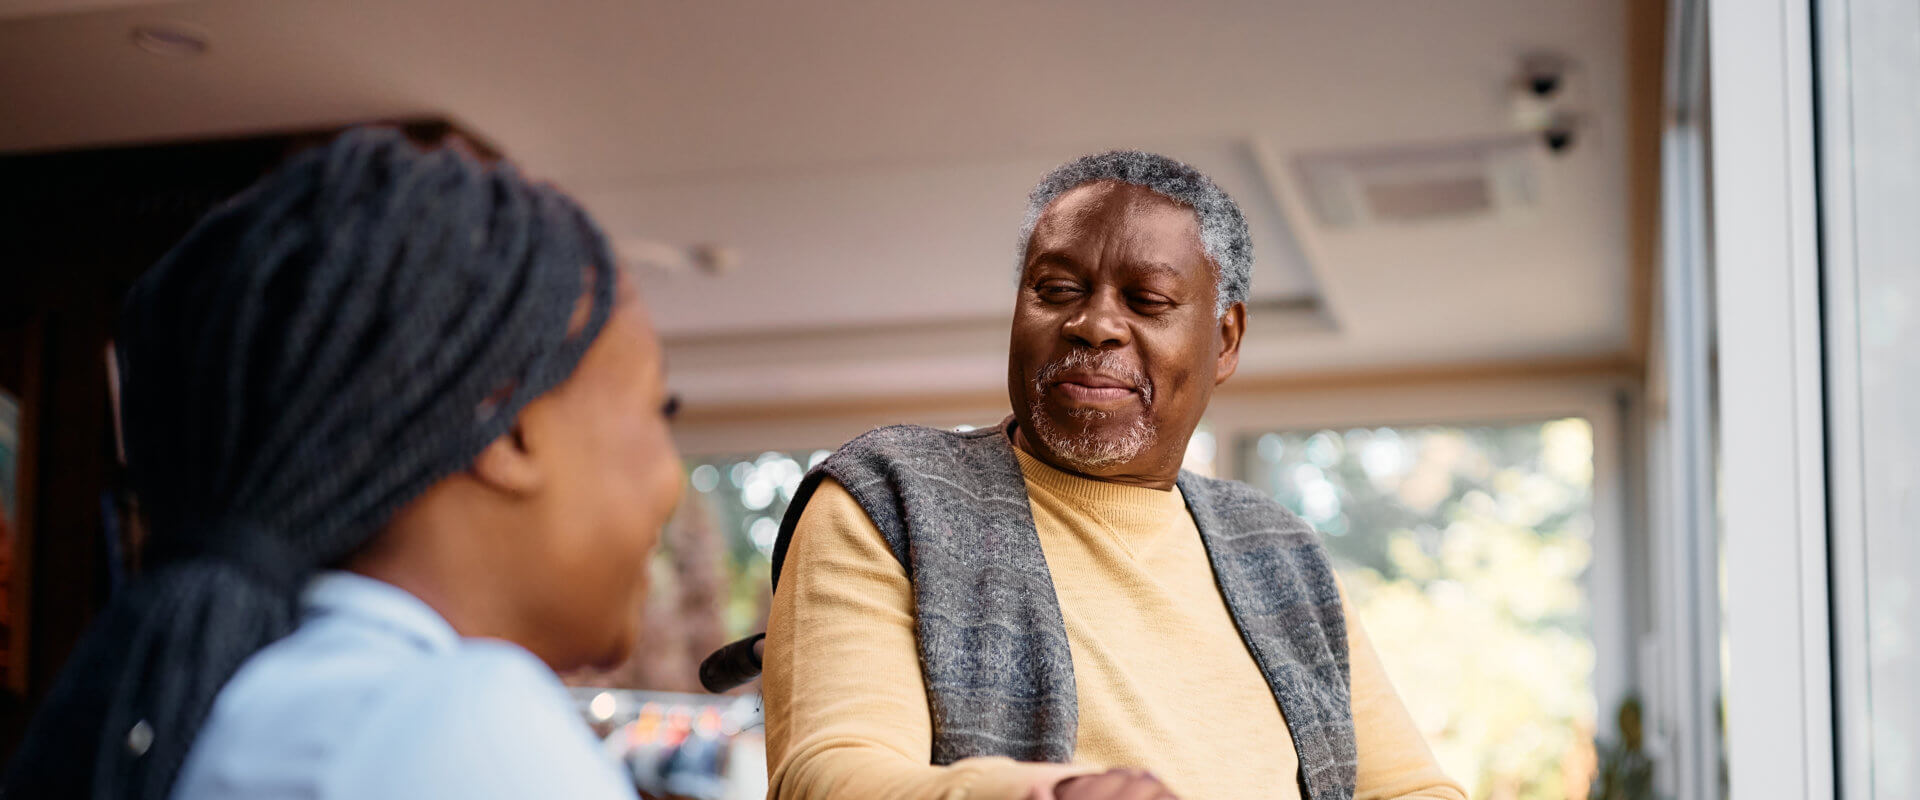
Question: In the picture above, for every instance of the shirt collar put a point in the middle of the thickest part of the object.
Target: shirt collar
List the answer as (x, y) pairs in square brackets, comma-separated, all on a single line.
[(349, 595)]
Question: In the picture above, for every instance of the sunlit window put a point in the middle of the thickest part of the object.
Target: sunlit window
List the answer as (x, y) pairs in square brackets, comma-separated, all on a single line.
[(709, 582), (741, 500), (1463, 551)]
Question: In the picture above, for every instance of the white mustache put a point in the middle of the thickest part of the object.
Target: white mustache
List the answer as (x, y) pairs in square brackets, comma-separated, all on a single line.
[(1106, 362)]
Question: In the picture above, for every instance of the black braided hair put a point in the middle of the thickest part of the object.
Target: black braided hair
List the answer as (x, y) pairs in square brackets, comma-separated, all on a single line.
[(315, 354)]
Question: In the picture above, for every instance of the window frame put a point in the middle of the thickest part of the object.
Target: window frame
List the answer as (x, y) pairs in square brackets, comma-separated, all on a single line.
[(1857, 49), (1769, 405)]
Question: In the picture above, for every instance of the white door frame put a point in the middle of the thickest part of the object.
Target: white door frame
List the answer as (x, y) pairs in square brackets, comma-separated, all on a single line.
[(1771, 419), (1867, 56), (1853, 728)]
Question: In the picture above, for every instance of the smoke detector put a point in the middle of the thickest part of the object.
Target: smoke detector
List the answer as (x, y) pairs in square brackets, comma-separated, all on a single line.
[(705, 258), (1489, 177), (171, 39)]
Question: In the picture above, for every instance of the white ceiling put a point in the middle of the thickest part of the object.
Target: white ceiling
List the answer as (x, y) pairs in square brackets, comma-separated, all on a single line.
[(868, 160)]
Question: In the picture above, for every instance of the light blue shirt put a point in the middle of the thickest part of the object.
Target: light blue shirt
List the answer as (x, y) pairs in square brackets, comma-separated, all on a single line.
[(375, 696)]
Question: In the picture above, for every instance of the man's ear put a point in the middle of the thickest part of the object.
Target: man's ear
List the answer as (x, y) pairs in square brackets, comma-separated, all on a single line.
[(1233, 328), (508, 464)]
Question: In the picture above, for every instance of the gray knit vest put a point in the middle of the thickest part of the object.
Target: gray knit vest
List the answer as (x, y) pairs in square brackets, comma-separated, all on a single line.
[(993, 649)]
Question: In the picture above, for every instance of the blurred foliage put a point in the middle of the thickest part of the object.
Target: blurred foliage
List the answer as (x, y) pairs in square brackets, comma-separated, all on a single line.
[(709, 582), (745, 498), (1463, 550)]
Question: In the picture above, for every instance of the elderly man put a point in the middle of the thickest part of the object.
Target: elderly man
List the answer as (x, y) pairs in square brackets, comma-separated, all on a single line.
[(1006, 613)]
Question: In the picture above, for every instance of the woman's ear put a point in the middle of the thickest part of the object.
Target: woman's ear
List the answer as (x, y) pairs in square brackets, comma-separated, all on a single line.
[(508, 464)]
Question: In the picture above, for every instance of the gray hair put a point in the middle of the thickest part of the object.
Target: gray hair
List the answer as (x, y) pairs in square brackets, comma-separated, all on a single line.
[(1223, 230)]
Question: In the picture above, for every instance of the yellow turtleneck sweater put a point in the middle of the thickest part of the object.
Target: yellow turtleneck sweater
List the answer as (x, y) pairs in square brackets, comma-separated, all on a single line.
[(1164, 681)]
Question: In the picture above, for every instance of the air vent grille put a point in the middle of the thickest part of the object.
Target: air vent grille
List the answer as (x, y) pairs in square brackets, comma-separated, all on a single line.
[(1423, 183)]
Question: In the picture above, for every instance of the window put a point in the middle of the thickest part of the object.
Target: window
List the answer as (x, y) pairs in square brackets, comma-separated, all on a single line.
[(1464, 550), (743, 500), (1869, 75), (710, 579)]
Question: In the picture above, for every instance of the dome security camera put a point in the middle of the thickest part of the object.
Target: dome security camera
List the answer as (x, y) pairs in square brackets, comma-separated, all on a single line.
[(1559, 133), (1559, 140), (1543, 75), (1544, 84)]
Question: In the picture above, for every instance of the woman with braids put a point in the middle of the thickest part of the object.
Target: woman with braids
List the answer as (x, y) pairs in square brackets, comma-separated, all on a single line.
[(400, 431)]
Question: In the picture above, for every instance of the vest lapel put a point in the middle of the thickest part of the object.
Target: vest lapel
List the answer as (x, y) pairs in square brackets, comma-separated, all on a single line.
[(1284, 601), (993, 646)]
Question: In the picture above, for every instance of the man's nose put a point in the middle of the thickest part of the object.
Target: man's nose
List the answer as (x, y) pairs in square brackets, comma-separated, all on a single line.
[(1100, 323)]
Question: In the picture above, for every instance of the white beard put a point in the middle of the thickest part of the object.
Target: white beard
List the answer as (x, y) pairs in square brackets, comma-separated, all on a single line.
[(1090, 451)]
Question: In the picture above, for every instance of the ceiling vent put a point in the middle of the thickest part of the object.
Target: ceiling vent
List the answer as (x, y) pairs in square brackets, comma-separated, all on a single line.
[(1480, 178)]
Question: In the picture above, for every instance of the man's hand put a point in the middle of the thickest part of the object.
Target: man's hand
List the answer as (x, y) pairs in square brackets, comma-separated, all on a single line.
[(1114, 784)]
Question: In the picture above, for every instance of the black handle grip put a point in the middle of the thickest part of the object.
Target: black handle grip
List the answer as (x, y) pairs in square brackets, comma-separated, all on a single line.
[(732, 665)]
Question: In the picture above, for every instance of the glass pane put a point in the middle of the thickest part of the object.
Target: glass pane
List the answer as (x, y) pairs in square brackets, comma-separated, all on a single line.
[(1463, 551), (710, 576), (1882, 58)]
